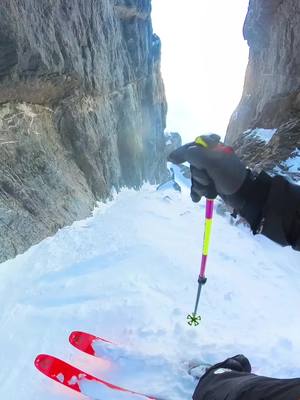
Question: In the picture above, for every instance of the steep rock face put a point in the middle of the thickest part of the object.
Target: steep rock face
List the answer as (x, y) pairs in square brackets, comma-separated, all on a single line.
[(82, 110), (271, 96), (173, 141)]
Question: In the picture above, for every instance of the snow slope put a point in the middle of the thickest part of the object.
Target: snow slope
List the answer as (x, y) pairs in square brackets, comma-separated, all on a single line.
[(129, 273)]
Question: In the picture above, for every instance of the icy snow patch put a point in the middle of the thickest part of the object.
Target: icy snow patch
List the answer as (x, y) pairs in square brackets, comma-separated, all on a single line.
[(262, 134), (293, 162), (290, 168)]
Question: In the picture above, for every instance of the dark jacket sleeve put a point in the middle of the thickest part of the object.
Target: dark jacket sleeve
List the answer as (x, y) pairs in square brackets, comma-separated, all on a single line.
[(231, 380), (271, 205)]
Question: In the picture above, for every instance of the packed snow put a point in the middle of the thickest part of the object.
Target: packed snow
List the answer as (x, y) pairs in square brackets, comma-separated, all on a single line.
[(129, 274)]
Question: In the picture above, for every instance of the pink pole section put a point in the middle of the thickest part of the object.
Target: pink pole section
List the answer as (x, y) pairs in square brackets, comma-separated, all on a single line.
[(209, 209), (203, 266)]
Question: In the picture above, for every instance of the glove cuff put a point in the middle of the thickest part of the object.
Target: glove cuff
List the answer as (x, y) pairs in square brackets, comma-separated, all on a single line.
[(238, 363), (250, 199)]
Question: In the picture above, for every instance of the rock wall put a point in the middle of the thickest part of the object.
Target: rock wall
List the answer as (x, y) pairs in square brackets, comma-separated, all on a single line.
[(82, 110), (271, 96), (173, 141)]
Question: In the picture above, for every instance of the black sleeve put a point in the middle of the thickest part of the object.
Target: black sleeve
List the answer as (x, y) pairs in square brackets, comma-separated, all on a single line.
[(223, 384), (271, 205)]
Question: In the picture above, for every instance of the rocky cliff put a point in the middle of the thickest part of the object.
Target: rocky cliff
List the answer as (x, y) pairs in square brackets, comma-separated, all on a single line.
[(271, 96), (82, 110)]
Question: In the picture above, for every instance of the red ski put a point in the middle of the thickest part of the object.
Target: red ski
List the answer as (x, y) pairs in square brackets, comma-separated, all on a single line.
[(82, 382), (85, 341)]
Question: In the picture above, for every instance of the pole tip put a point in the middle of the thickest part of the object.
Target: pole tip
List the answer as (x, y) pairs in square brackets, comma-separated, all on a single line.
[(193, 319)]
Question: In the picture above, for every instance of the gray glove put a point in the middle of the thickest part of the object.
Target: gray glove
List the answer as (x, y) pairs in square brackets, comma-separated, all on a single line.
[(215, 168)]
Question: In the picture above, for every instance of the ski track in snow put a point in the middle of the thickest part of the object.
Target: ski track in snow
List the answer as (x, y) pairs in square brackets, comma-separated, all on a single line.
[(129, 274)]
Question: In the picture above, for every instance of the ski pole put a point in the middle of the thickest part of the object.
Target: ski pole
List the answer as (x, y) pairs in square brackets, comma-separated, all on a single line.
[(194, 319)]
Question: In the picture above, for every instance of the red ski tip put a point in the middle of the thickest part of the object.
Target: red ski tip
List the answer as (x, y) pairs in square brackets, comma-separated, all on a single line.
[(84, 341), (60, 371), (43, 363)]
